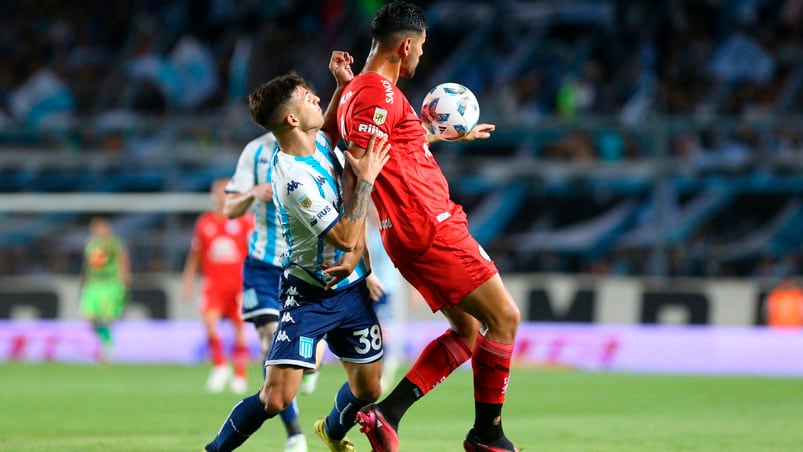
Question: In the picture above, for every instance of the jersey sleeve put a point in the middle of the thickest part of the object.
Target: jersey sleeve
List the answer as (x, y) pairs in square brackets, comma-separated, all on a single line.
[(301, 198), (244, 178), (370, 112)]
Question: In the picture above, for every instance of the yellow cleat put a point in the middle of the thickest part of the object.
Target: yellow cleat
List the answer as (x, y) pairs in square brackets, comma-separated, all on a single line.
[(343, 445)]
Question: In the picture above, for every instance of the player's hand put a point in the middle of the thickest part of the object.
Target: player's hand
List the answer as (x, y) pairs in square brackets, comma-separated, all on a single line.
[(341, 269), (375, 288), (340, 66), (372, 161), (479, 132), (263, 192)]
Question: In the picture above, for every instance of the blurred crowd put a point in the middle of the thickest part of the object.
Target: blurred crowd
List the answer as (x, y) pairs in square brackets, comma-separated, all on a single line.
[(719, 81), (630, 58)]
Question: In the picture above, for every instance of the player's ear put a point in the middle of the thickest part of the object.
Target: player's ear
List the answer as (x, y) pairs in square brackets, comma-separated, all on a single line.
[(405, 47), (291, 120)]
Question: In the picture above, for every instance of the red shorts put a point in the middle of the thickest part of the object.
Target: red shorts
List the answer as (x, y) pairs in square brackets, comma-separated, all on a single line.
[(450, 269), (226, 301)]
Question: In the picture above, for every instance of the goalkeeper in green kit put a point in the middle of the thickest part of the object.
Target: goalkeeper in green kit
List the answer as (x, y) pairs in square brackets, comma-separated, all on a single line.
[(106, 276)]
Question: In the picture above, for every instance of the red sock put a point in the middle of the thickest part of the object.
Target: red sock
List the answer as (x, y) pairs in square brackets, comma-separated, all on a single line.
[(439, 358), (240, 358), (216, 349), (491, 365)]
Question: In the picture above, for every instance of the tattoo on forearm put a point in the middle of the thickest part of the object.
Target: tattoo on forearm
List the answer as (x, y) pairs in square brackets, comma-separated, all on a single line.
[(358, 206)]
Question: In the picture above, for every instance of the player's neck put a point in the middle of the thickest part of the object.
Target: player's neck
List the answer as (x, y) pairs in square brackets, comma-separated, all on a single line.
[(297, 142), (383, 64)]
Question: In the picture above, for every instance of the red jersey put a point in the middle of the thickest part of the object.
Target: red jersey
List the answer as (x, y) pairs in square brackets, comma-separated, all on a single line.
[(222, 245), (411, 195)]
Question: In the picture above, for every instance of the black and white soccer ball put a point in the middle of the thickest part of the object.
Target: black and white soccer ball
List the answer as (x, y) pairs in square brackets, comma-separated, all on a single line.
[(450, 111)]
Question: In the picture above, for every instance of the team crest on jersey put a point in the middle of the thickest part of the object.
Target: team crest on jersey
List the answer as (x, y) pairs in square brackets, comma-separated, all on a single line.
[(379, 115), (250, 300), (305, 202), (305, 347)]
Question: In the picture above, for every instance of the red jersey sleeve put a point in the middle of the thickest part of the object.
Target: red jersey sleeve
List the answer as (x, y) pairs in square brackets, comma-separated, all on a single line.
[(372, 112)]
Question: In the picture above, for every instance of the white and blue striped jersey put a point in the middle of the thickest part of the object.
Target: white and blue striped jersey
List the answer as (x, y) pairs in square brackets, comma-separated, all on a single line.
[(306, 191), (253, 168)]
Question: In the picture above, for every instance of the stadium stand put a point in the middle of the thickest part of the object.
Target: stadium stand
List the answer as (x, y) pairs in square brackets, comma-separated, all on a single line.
[(632, 138)]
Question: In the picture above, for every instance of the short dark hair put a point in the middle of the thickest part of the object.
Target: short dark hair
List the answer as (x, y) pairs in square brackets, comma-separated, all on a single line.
[(397, 17), (268, 101)]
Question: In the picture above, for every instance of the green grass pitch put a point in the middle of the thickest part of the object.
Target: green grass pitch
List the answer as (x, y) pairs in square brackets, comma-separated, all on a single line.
[(53, 407)]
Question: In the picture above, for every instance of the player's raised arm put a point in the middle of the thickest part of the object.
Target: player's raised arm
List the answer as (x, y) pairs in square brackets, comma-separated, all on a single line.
[(340, 66), (349, 229), (236, 204)]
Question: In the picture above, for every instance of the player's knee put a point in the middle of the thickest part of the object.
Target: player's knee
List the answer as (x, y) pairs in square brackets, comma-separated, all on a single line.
[(276, 402), (369, 392), (263, 397), (467, 329), (505, 318), (511, 318)]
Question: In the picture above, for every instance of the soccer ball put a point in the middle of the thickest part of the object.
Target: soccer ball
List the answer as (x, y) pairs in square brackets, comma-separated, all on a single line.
[(450, 111)]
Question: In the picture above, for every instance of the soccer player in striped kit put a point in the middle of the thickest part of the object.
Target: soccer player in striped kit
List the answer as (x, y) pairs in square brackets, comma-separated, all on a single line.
[(323, 288), (426, 235), (249, 188)]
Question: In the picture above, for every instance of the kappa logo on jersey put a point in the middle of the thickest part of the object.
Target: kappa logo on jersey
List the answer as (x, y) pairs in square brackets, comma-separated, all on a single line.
[(292, 290), (379, 115), (321, 180), (287, 318), (305, 202), (370, 128), (388, 91), (385, 224), (290, 301), (292, 185), (281, 336), (345, 98), (305, 347)]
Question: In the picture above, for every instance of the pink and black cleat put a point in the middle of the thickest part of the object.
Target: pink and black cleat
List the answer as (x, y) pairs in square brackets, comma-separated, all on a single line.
[(380, 432)]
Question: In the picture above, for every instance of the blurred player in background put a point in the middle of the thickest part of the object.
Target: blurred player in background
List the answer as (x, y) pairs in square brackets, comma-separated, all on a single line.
[(219, 246), (316, 301), (106, 276), (426, 235), (784, 305)]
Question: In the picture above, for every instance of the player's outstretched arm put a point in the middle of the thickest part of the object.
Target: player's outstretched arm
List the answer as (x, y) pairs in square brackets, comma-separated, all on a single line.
[(237, 204), (349, 228), (340, 66), (481, 131), (188, 275)]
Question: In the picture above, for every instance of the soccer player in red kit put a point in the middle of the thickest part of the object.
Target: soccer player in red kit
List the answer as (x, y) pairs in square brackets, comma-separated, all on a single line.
[(219, 247), (426, 235)]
